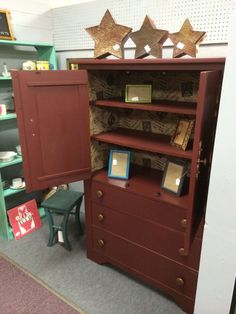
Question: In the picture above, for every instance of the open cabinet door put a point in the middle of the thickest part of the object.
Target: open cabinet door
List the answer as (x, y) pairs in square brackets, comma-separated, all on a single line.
[(207, 107), (53, 119)]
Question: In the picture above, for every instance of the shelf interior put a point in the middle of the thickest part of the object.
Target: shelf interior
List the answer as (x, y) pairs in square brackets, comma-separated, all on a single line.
[(145, 141), (188, 108)]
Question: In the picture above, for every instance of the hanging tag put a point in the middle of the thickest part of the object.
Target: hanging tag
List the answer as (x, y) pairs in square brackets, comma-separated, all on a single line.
[(60, 236)]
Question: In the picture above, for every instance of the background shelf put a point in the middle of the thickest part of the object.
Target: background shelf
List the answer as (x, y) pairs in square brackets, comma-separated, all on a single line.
[(16, 160), (8, 116)]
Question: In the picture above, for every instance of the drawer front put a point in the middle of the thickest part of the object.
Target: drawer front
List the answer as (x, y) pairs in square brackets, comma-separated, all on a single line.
[(147, 234), (147, 263), (136, 205)]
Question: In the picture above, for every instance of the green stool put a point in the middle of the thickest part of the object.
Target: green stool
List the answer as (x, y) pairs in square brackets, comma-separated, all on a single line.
[(62, 202)]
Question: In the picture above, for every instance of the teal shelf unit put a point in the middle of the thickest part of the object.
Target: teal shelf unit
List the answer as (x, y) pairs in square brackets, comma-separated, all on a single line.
[(45, 52)]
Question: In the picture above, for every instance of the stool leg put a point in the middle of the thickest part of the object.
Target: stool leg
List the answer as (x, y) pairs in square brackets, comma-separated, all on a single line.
[(77, 216), (64, 231), (52, 231)]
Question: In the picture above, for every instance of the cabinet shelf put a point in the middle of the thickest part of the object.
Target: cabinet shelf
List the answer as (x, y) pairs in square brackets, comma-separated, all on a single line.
[(8, 116), (16, 160), (9, 192), (145, 182), (5, 78), (188, 108), (155, 143)]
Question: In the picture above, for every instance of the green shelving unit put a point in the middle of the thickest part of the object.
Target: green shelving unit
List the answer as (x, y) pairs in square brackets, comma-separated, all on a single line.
[(45, 52)]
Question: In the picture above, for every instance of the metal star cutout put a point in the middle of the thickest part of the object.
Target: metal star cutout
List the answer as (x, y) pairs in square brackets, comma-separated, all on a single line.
[(109, 37), (186, 40), (148, 39)]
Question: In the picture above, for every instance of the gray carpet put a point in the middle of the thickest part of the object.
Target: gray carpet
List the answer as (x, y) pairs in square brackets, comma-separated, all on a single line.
[(96, 289)]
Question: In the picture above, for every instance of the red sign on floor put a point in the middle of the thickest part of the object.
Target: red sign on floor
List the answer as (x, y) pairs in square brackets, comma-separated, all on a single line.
[(24, 219)]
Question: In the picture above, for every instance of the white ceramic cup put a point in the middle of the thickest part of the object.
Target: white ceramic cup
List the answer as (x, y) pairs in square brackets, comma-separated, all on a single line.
[(17, 182), (18, 149)]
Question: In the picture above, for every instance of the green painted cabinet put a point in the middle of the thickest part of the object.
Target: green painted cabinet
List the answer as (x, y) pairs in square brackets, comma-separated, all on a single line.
[(14, 53)]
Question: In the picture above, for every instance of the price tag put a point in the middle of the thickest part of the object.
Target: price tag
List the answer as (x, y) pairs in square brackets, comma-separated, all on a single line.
[(180, 45), (116, 47), (60, 236), (147, 48)]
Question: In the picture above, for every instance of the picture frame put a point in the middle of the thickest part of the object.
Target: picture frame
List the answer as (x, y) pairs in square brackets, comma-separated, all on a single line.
[(182, 133), (5, 26), (119, 164), (138, 93), (174, 176)]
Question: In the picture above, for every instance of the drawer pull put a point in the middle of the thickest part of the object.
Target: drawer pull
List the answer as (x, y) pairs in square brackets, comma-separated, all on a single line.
[(101, 217), (101, 243), (99, 193), (180, 281), (181, 251), (183, 223)]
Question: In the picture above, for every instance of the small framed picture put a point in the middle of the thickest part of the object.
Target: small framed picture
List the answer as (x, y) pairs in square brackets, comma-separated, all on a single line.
[(119, 164), (138, 93), (182, 133), (174, 176), (5, 25)]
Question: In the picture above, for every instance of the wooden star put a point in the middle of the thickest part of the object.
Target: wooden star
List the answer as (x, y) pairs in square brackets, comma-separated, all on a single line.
[(186, 40), (148, 39), (109, 37)]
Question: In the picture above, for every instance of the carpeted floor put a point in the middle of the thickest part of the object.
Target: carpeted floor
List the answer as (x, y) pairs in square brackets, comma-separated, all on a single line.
[(97, 289), (21, 293)]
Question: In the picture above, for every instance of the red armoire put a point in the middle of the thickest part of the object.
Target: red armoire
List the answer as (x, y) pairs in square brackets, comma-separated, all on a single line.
[(70, 120)]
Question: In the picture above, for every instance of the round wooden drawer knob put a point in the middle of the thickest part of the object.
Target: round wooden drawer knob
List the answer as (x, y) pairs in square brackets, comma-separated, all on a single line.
[(180, 281), (101, 217), (101, 243), (183, 223), (181, 251), (99, 193)]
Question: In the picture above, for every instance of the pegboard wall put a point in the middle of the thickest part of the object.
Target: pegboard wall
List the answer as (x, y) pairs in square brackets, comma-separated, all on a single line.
[(211, 16)]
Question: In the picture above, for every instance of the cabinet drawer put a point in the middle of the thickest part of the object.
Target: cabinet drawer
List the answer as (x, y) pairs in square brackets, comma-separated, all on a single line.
[(147, 234), (148, 264), (139, 206)]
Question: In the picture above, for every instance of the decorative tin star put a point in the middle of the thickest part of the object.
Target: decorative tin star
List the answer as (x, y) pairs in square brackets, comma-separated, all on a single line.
[(148, 39), (109, 37), (186, 40)]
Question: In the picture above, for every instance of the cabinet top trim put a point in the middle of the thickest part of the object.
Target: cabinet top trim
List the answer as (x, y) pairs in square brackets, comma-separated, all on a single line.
[(199, 64)]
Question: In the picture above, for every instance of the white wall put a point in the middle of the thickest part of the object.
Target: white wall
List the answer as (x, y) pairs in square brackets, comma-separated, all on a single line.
[(218, 258), (31, 20)]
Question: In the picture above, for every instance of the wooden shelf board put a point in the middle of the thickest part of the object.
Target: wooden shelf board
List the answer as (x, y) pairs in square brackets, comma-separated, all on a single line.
[(158, 106), (16, 160), (155, 143), (8, 116), (145, 182)]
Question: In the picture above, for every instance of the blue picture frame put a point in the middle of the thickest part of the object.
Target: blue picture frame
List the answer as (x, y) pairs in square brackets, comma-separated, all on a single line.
[(119, 164)]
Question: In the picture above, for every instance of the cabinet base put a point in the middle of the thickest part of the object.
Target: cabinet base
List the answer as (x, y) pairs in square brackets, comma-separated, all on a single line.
[(184, 302)]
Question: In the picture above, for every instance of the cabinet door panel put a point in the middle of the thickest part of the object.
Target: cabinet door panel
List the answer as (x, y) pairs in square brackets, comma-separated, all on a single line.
[(208, 97), (52, 112)]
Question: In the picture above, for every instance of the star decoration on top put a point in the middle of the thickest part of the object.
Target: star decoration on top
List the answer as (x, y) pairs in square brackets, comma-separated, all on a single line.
[(148, 39), (186, 40), (109, 37)]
